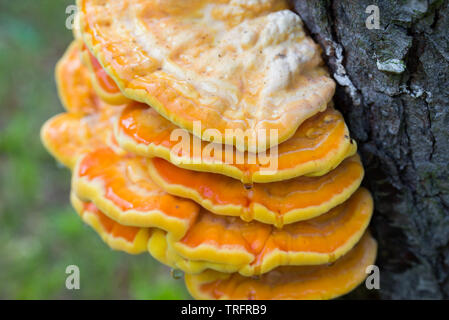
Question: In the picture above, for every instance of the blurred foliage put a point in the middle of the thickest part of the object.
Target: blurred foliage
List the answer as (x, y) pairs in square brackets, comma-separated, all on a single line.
[(40, 234)]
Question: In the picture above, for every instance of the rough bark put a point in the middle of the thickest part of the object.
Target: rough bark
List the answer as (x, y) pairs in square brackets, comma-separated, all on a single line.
[(399, 114)]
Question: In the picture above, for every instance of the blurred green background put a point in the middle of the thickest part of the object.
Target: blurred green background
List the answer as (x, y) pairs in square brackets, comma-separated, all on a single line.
[(40, 234)]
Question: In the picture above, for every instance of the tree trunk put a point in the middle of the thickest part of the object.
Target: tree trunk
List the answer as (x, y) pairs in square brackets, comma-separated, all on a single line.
[(394, 92)]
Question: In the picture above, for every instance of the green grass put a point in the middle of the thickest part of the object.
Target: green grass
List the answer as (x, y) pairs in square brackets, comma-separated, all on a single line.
[(40, 234)]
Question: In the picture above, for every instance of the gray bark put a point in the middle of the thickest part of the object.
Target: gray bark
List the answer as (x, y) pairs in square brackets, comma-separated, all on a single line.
[(394, 92)]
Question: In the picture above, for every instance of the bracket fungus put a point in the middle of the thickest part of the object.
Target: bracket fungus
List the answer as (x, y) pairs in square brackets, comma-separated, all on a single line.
[(252, 248), (140, 70), (308, 282), (74, 82), (67, 136), (120, 187), (276, 203), (133, 240), (192, 64), (231, 245), (318, 146), (103, 85)]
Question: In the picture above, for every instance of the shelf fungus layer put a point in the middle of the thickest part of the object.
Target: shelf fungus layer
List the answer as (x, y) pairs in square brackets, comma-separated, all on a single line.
[(318, 146), (104, 86), (232, 245), (276, 203), (299, 283), (88, 122), (102, 173), (74, 83), (133, 240), (208, 241), (245, 66), (67, 136), (120, 186)]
